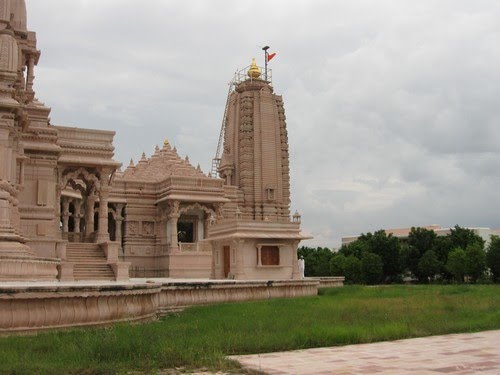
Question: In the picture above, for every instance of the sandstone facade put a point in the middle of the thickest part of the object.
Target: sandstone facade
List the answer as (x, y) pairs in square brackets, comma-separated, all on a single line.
[(67, 211)]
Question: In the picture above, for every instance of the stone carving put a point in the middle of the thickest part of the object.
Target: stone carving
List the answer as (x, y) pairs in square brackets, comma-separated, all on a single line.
[(133, 228), (148, 228)]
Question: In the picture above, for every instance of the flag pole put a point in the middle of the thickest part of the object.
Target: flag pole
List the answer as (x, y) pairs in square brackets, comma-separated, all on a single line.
[(265, 61)]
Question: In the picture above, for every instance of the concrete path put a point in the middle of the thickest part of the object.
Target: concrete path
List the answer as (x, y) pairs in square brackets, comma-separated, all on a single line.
[(476, 353)]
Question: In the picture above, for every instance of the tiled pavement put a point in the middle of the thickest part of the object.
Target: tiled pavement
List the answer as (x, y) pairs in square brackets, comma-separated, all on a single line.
[(476, 353)]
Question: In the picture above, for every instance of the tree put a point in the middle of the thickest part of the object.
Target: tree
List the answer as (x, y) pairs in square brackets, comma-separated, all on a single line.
[(463, 237), (493, 258), (317, 260), (387, 248), (428, 266), (456, 264), (420, 240), (337, 265), (442, 247), (356, 248), (475, 261), (353, 271), (372, 268)]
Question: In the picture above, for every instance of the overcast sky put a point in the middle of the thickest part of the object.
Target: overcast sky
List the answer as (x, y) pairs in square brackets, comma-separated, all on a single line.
[(393, 107)]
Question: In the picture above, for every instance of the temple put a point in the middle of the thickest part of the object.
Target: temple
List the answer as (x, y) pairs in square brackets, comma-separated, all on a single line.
[(68, 211)]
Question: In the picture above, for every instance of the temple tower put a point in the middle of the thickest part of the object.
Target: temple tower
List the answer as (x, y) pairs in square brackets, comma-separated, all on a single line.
[(255, 238), (18, 55), (255, 155)]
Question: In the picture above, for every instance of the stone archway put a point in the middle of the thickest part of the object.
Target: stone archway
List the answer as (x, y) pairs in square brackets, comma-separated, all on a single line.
[(93, 185)]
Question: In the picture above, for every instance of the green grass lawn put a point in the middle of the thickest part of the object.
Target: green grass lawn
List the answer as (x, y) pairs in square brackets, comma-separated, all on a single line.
[(203, 336)]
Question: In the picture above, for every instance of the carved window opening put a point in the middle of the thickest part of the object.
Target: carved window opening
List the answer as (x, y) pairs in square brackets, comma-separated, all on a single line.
[(186, 231), (270, 255)]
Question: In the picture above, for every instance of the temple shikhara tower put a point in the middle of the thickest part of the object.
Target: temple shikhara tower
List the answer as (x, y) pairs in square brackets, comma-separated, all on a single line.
[(257, 238), (69, 212)]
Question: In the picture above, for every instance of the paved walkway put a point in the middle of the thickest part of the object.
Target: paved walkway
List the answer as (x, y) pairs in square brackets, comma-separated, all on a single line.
[(476, 353)]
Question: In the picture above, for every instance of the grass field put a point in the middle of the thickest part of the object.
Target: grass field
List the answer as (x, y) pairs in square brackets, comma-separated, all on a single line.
[(203, 336)]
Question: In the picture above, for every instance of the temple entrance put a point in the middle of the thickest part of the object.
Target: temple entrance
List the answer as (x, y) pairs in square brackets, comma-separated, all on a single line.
[(185, 231), (227, 261)]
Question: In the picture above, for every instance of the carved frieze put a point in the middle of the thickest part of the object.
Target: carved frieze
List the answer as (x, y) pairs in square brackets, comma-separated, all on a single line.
[(132, 228), (148, 228)]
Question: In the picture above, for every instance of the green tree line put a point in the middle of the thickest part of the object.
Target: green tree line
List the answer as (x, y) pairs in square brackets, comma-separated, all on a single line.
[(375, 258)]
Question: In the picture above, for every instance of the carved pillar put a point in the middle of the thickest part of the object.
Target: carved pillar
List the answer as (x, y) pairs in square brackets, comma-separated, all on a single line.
[(89, 215), (173, 218), (30, 74), (237, 249), (102, 231), (77, 215), (65, 214), (58, 210), (162, 227), (118, 225)]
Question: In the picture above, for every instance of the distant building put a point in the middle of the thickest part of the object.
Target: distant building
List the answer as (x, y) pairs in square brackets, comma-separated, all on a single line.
[(403, 233)]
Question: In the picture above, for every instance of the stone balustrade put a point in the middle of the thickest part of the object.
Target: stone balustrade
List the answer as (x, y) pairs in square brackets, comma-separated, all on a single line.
[(194, 247), (42, 306)]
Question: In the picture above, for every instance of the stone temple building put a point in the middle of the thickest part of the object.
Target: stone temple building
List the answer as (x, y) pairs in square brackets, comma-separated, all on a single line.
[(68, 212)]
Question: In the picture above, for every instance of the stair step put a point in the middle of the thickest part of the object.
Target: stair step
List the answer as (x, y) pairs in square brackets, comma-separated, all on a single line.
[(90, 262)]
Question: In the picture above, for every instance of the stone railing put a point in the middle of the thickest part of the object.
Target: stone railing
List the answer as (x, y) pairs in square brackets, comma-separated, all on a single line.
[(45, 306), (191, 182), (195, 247)]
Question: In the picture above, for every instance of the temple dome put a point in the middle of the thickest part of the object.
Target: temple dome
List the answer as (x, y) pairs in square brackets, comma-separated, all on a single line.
[(10, 53), (14, 13)]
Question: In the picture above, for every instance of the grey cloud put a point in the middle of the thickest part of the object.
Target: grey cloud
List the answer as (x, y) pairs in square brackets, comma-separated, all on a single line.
[(392, 106)]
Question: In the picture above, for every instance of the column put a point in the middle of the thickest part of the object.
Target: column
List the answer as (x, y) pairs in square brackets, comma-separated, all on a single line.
[(89, 215), (77, 215), (102, 230), (77, 218), (30, 74), (173, 218), (58, 211), (118, 225), (65, 214)]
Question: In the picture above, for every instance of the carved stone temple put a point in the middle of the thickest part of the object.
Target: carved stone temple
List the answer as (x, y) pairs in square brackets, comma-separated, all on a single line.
[(68, 212)]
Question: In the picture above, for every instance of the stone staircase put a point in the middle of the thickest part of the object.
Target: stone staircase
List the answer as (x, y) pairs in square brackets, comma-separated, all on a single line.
[(90, 262)]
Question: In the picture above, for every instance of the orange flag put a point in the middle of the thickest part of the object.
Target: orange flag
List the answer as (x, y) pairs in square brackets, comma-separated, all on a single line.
[(270, 56)]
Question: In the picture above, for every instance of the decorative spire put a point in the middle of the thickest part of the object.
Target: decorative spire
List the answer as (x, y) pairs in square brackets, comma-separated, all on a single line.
[(156, 153), (198, 168), (254, 71), (166, 144), (187, 159), (131, 164)]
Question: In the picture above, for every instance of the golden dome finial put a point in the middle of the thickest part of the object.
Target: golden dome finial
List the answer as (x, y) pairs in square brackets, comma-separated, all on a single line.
[(165, 142), (254, 71)]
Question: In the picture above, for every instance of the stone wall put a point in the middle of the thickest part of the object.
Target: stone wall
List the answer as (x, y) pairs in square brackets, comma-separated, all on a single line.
[(52, 306)]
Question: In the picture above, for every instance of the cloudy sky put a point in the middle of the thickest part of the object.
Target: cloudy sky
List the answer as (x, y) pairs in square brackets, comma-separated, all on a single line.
[(393, 107)]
